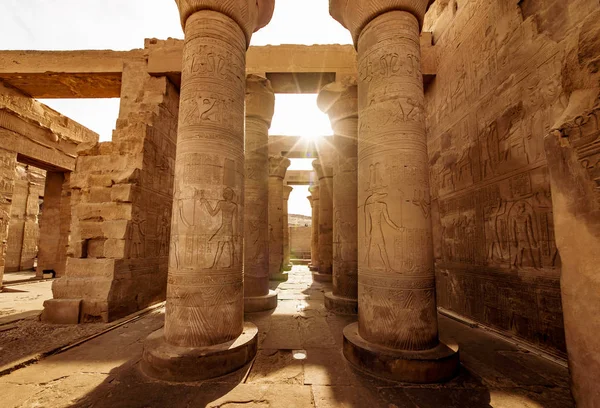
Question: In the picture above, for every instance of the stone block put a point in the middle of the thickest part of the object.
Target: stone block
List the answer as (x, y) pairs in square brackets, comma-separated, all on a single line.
[(122, 193), (61, 311), (96, 248), (114, 248)]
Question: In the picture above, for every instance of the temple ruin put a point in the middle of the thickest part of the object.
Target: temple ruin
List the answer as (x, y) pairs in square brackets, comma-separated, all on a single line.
[(452, 254)]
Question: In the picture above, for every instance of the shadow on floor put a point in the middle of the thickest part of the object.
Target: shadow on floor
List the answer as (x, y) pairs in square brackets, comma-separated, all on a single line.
[(299, 364)]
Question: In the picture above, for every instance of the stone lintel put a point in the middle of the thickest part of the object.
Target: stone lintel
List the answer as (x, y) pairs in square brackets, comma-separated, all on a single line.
[(97, 74)]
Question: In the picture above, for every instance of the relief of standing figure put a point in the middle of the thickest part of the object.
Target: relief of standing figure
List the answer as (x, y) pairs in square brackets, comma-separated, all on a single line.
[(376, 212), (224, 236)]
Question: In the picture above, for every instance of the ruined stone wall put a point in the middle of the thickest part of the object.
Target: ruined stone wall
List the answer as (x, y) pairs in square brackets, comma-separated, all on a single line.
[(8, 161), (300, 242), (121, 205), (23, 232), (502, 82)]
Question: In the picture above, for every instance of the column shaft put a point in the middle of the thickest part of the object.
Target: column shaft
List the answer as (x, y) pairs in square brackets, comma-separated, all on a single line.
[(325, 174), (278, 167), (286, 229), (314, 247), (205, 290), (340, 101), (396, 277), (259, 111)]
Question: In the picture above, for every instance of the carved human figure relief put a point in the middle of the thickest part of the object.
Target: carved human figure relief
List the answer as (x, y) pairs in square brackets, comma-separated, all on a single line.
[(226, 234), (522, 235), (164, 229), (376, 215), (137, 235)]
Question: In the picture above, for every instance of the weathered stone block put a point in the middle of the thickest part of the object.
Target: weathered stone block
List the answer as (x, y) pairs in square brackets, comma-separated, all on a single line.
[(61, 311), (122, 193)]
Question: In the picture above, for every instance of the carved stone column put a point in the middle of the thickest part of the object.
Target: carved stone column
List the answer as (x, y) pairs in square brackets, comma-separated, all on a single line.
[(571, 151), (205, 335), (277, 167), (260, 103), (340, 101), (287, 265), (325, 176), (397, 333), (314, 244)]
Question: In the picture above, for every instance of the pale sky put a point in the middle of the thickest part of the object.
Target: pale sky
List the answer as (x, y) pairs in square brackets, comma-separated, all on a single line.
[(123, 25)]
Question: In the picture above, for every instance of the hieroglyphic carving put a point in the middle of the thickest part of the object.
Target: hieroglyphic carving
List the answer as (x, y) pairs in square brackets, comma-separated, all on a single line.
[(137, 235), (205, 291), (226, 233)]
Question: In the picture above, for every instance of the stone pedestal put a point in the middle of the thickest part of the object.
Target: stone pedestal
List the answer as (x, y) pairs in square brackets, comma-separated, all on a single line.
[(325, 175), (340, 101), (287, 265), (570, 150), (314, 243), (260, 103), (205, 335), (277, 168), (397, 333)]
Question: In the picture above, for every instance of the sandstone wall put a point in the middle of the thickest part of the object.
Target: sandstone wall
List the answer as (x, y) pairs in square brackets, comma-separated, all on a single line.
[(504, 77), (121, 205), (300, 242), (23, 232)]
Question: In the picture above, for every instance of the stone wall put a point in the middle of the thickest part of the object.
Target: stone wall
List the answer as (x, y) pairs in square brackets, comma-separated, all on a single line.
[(121, 205), (23, 232), (503, 80), (300, 242)]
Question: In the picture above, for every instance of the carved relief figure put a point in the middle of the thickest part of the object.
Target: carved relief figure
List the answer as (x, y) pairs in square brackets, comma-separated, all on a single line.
[(375, 179), (376, 212), (137, 235), (225, 235), (522, 235), (163, 233), (492, 237), (421, 200)]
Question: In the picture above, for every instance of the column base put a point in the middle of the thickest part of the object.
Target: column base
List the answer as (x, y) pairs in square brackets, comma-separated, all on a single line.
[(422, 367), (340, 305), (260, 303), (322, 277), (313, 268), (288, 267), (279, 277), (166, 362)]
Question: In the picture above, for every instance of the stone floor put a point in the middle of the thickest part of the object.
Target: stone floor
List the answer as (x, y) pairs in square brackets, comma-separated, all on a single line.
[(24, 297), (10, 277), (299, 364)]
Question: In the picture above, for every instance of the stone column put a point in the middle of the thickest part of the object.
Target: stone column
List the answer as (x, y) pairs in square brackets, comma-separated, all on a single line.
[(260, 103), (287, 265), (340, 101), (314, 244), (325, 176), (576, 206), (397, 333), (205, 334), (277, 167)]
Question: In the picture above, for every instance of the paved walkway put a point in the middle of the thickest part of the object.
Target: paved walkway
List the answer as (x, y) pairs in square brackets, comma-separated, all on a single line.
[(24, 297), (104, 372)]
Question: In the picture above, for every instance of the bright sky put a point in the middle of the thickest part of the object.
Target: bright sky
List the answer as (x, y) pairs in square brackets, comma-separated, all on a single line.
[(123, 25)]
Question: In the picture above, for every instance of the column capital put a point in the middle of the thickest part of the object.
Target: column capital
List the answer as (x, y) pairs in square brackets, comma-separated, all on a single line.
[(310, 200), (322, 170), (339, 100), (260, 99), (250, 15), (286, 192), (278, 166), (314, 191), (356, 14)]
